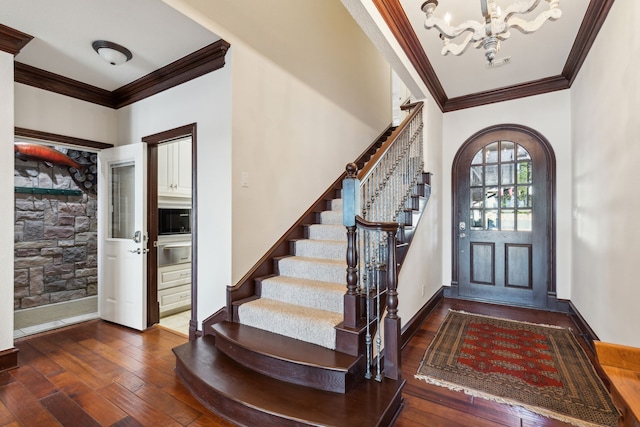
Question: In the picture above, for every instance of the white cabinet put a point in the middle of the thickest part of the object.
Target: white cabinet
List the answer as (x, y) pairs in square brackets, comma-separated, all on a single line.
[(174, 288), (174, 169)]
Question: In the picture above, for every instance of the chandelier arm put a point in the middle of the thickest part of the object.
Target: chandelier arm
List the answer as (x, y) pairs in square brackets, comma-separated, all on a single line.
[(523, 7), (452, 32), (528, 27), (457, 49)]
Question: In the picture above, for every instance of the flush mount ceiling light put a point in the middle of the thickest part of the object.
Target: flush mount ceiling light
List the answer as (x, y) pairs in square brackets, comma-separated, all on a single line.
[(494, 28), (111, 52)]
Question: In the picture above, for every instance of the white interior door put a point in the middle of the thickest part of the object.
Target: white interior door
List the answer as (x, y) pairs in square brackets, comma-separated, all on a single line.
[(122, 235)]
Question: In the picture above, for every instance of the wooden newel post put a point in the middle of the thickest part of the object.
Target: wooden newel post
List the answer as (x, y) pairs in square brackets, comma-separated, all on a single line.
[(392, 347), (351, 208)]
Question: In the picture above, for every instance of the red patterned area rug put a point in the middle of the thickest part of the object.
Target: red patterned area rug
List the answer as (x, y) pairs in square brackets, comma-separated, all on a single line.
[(541, 368)]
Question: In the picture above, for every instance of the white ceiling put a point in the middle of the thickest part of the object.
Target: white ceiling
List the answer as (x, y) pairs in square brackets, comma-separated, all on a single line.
[(533, 56), (63, 31), (157, 35)]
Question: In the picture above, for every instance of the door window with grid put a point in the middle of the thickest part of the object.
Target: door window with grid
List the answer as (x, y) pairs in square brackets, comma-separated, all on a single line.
[(500, 188)]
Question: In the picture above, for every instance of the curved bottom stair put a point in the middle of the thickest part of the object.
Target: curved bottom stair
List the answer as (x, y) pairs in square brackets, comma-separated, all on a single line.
[(245, 396)]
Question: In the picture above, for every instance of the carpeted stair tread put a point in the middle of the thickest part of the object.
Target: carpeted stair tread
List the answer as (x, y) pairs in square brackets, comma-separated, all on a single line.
[(335, 205), (321, 269), (331, 218), (326, 232), (249, 398), (329, 249), (294, 321), (305, 292)]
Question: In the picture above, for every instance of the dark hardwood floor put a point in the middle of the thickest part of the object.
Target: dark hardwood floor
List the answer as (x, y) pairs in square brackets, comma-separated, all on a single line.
[(433, 406), (97, 373)]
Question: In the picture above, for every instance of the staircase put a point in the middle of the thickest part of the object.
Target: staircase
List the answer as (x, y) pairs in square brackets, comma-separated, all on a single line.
[(270, 358)]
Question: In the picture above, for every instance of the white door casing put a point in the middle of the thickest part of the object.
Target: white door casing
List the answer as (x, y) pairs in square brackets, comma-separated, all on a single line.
[(122, 235)]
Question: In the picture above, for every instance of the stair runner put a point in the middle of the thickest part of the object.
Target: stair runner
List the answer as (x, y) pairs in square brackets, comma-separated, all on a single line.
[(305, 299)]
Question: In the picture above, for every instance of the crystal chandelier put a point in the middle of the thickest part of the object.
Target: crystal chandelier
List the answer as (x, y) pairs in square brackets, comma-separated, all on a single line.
[(495, 27)]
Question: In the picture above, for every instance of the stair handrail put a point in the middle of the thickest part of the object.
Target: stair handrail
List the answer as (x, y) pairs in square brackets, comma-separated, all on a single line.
[(373, 200), (388, 178)]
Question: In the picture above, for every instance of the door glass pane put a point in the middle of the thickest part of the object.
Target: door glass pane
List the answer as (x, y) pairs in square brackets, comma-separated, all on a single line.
[(507, 195), (476, 176), (524, 220), (491, 197), (523, 154), (476, 219), (507, 220), (506, 152), (476, 198), (524, 173), (477, 159), (122, 201), (524, 197), (491, 153), (491, 175), (491, 216), (507, 174)]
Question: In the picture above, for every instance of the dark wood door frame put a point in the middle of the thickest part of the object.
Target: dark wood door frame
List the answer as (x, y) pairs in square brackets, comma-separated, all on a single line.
[(550, 182), (153, 308)]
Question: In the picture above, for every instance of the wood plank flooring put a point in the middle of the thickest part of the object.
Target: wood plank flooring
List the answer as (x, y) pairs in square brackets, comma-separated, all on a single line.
[(100, 374), (430, 405)]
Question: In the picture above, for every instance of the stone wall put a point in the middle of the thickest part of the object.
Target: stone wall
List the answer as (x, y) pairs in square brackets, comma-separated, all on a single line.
[(55, 238)]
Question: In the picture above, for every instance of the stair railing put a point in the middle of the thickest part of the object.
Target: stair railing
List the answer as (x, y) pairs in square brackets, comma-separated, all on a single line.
[(374, 203)]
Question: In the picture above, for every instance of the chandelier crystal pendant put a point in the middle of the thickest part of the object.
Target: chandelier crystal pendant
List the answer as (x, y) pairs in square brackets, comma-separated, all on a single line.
[(494, 29)]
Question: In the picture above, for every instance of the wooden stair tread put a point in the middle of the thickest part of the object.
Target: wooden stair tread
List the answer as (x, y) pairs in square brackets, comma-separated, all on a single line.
[(282, 347), (249, 398)]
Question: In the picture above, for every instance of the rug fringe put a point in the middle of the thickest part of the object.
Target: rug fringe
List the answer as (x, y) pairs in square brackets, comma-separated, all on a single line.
[(504, 318), (486, 396)]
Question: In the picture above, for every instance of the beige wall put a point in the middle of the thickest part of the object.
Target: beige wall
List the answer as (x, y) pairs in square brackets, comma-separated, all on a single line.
[(309, 93), (605, 101), (6, 193)]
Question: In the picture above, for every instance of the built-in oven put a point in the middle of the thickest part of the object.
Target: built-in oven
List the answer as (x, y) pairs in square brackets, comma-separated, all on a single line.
[(174, 221)]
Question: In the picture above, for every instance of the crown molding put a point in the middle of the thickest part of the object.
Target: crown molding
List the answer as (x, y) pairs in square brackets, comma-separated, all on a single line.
[(507, 93), (196, 64), (594, 18), (397, 21), (200, 62), (36, 77), (12, 41), (54, 137)]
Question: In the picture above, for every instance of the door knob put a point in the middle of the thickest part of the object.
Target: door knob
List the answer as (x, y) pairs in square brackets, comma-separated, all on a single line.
[(136, 251), (137, 237)]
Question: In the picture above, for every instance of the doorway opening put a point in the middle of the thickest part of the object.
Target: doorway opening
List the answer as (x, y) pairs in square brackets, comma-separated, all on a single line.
[(503, 237), (172, 223), (55, 268)]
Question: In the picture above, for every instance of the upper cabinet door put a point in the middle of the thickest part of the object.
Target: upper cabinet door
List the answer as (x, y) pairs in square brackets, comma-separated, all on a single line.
[(174, 169)]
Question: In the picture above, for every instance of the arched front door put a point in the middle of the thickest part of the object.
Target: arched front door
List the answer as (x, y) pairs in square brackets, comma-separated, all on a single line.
[(503, 217)]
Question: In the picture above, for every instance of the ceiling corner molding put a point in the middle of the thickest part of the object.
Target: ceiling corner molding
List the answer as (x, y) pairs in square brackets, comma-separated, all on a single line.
[(32, 76), (594, 18), (507, 93), (199, 63), (53, 137), (196, 64), (12, 41), (398, 23)]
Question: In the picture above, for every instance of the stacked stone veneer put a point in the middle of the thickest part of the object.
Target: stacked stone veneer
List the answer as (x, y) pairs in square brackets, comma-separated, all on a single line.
[(55, 238)]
